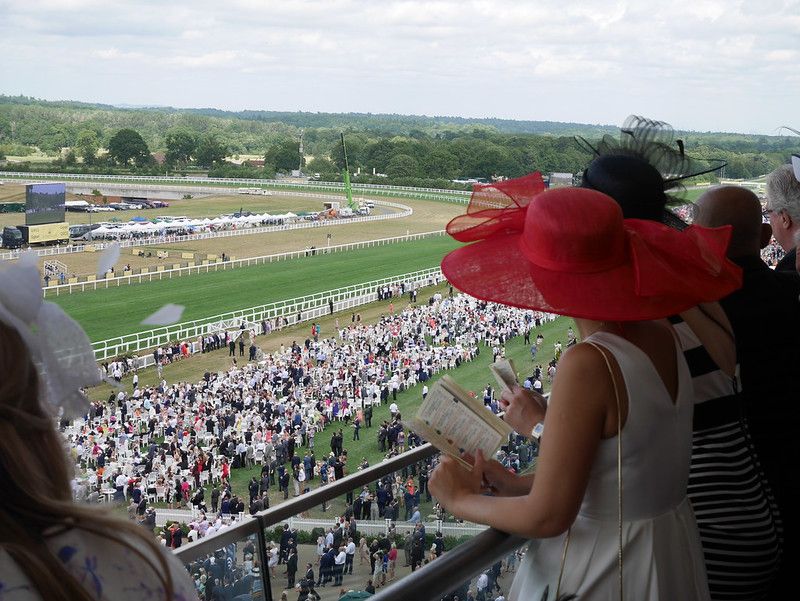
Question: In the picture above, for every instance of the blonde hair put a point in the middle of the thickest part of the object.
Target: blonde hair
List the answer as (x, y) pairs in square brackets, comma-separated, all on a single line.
[(35, 481)]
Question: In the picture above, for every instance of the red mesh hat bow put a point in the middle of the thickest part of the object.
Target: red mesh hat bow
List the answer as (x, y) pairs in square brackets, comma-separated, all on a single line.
[(571, 252), (496, 207)]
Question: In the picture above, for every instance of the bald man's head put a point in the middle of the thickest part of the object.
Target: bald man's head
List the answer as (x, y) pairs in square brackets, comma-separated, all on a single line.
[(740, 208)]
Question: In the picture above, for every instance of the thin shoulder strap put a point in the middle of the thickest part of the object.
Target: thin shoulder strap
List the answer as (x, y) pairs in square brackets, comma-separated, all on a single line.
[(619, 459)]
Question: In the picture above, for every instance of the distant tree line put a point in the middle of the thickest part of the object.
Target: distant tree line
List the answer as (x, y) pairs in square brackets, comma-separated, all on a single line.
[(409, 150)]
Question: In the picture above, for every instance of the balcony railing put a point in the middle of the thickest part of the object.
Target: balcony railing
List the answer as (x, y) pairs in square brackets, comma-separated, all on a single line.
[(432, 582)]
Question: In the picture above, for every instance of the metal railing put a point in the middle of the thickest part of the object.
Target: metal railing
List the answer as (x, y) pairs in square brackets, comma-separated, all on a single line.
[(460, 564), (403, 211), (432, 582), (293, 310), (287, 509), (217, 265)]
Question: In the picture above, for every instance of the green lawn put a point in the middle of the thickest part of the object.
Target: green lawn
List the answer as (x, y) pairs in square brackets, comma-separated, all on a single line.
[(118, 311)]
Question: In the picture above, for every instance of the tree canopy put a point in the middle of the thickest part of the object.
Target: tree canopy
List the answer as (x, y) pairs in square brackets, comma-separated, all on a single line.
[(181, 145), (417, 150), (128, 145), (284, 155)]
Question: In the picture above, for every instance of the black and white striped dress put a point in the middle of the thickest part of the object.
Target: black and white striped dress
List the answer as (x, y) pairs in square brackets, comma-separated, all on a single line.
[(737, 517)]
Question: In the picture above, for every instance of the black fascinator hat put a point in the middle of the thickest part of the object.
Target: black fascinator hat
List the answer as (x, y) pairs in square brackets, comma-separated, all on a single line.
[(638, 169)]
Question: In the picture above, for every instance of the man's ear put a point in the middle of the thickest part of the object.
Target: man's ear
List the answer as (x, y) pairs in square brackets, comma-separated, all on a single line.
[(766, 235), (784, 220)]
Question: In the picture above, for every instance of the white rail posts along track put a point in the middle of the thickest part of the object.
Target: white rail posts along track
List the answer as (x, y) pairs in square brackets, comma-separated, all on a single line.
[(168, 274), (458, 196), (404, 211), (293, 311)]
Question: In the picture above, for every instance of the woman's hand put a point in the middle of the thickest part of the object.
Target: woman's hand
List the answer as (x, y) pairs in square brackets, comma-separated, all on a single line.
[(450, 482), (523, 409), (499, 480)]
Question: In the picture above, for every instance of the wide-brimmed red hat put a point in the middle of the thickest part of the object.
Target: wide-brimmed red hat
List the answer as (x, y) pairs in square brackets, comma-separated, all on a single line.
[(569, 251)]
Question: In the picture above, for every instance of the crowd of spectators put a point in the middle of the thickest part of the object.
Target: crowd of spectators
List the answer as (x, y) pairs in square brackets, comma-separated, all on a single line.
[(168, 442)]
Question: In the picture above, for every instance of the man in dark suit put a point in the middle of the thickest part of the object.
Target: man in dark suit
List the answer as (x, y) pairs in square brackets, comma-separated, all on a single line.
[(325, 567), (291, 567), (417, 547), (284, 543), (765, 315)]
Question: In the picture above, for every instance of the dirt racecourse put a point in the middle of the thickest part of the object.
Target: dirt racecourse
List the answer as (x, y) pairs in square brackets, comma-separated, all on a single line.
[(427, 216)]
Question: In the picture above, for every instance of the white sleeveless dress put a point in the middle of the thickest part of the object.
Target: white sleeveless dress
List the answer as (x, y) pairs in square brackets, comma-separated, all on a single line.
[(662, 556)]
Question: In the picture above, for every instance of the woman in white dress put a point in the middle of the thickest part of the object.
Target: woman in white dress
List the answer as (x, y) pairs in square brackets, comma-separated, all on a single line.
[(273, 559), (568, 251)]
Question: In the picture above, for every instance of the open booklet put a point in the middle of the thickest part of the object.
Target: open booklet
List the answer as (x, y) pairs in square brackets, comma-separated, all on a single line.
[(503, 371), (455, 422)]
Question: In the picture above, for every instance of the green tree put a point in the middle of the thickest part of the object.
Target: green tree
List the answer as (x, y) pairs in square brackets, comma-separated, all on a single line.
[(56, 137), (321, 165), (5, 128), (402, 165), (210, 150), (181, 145), (494, 160), (441, 163), (127, 145), (87, 145), (285, 155), (356, 149), (378, 154), (70, 159)]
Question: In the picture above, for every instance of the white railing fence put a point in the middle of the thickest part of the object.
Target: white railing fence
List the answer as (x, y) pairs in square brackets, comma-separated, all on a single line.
[(365, 527), (376, 527), (185, 516), (281, 313), (461, 196)]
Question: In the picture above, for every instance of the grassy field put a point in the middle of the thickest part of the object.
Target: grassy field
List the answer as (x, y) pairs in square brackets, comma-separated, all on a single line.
[(117, 311)]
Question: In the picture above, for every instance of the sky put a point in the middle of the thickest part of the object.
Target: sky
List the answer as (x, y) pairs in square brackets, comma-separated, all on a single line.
[(703, 65)]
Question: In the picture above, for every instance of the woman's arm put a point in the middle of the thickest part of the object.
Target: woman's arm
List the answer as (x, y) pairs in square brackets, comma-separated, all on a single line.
[(710, 324), (576, 422), (501, 482)]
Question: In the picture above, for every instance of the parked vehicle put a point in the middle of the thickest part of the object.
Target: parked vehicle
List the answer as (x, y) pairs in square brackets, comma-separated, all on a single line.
[(12, 237), (47, 233), (82, 231)]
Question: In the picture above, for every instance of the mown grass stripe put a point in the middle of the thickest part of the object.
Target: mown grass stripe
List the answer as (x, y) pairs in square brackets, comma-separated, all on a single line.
[(117, 311)]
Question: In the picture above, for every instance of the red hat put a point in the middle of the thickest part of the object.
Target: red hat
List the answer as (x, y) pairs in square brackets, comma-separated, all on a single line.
[(569, 251)]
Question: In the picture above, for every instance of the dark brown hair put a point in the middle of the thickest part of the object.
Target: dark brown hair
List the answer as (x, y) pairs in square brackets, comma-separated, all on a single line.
[(35, 483)]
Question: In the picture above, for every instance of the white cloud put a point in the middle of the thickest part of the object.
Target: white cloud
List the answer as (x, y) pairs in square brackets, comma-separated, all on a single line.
[(208, 59), (560, 60), (114, 54), (781, 56), (192, 34)]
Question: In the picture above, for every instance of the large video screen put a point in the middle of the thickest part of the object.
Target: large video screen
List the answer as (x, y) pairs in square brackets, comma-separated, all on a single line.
[(44, 203)]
